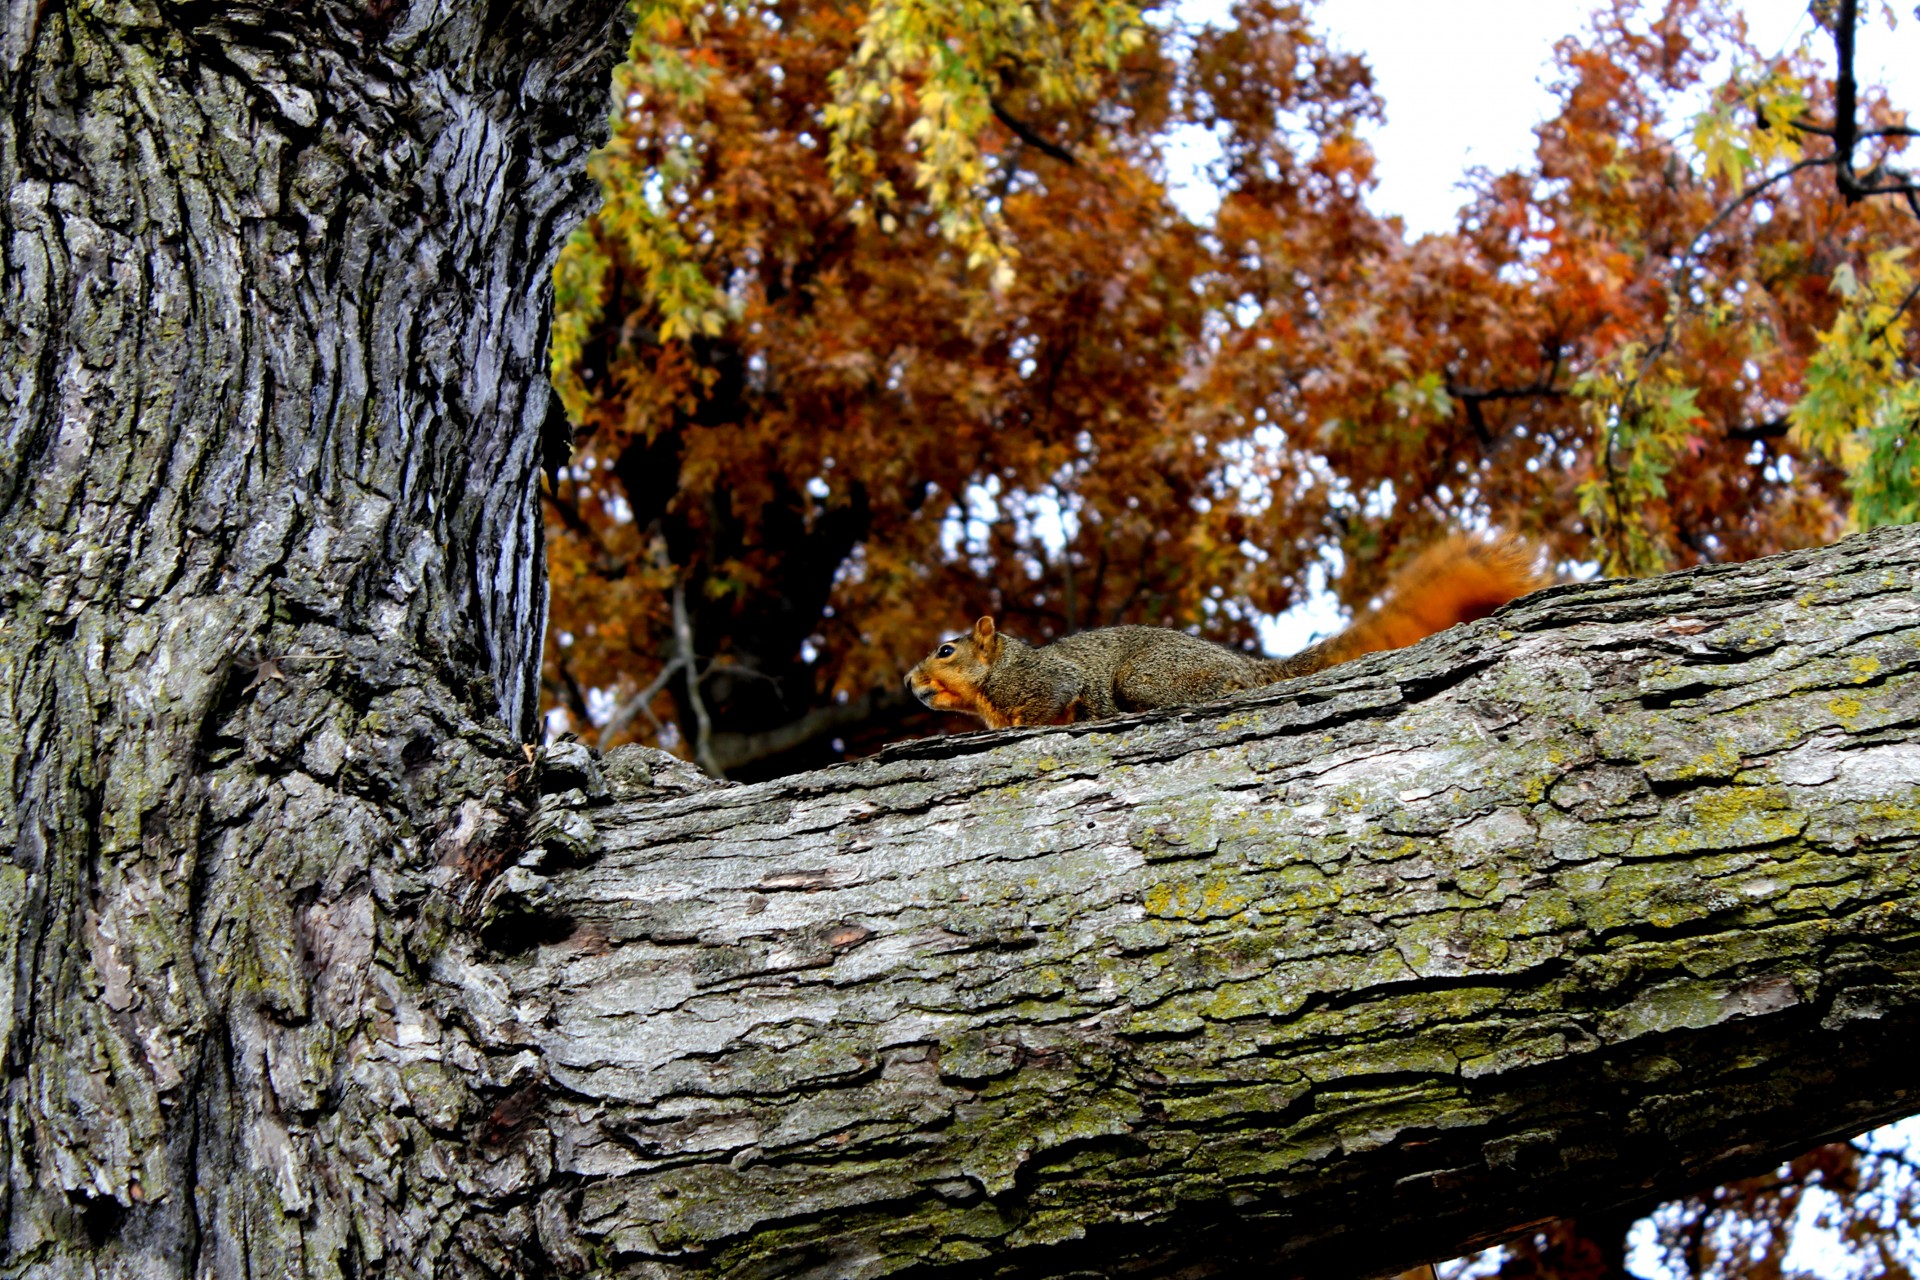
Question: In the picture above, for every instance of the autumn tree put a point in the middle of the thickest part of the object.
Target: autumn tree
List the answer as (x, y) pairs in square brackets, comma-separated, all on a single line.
[(1669, 341), (822, 419), (767, 494)]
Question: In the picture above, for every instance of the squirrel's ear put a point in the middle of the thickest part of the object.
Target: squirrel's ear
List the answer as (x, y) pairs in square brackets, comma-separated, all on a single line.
[(983, 630)]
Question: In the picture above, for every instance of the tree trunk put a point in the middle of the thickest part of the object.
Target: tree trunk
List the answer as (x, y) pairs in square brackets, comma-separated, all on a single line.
[(1586, 905), (1365, 969), (272, 373)]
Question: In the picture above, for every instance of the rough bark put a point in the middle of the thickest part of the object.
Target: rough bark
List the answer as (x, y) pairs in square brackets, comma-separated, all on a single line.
[(1589, 903), (272, 384)]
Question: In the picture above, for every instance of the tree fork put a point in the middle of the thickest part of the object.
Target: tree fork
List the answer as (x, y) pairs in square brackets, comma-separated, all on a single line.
[(1585, 905)]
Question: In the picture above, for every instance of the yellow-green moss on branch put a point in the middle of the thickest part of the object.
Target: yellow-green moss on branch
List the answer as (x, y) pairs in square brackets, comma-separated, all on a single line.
[(1565, 910)]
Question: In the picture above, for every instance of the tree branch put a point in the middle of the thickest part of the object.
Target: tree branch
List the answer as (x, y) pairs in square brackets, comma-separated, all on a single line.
[(1898, 311), (640, 703), (733, 751), (1733, 205), (1474, 400), (1534, 392), (1846, 132), (1025, 132), (1844, 91), (1891, 131), (1605, 898), (689, 663)]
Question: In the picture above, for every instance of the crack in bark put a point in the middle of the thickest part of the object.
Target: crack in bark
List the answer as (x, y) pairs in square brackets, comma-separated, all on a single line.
[(1326, 950)]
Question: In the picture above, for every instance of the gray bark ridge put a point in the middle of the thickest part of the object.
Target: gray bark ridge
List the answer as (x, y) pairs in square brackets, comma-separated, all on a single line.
[(272, 378), (1607, 896)]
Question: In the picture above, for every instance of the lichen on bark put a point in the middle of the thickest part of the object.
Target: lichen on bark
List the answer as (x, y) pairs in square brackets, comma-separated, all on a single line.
[(1579, 906), (270, 599)]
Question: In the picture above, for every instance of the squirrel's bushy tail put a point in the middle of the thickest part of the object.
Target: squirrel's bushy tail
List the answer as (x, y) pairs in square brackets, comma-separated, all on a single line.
[(1457, 579)]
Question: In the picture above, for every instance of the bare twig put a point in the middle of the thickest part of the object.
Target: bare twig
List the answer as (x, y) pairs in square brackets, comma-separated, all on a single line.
[(1898, 311), (703, 725), (1846, 132), (1024, 131), (1541, 388), (1733, 206), (640, 703), (1890, 131), (1771, 429), (1844, 128), (1538, 390)]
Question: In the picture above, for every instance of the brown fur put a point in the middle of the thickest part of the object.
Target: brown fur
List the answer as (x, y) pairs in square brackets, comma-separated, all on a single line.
[(1006, 682), (1457, 579)]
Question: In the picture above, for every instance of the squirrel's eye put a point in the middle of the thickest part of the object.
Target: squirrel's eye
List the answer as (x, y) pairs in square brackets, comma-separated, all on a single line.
[(946, 651)]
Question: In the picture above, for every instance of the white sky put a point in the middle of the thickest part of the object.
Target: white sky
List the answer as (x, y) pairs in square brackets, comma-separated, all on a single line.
[(1465, 81)]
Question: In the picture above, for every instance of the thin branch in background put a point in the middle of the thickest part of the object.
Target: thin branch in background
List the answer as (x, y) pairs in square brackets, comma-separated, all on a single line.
[(1024, 131), (1898, 311), (1474, 399), (1844, 129), (1616, 519), (703, 725), (1845, 136), (640, 703), (1681, 304), (1771, 429), (1846, 132), (1733, 206), (1544, 390), (1891, 131), (717, 667)]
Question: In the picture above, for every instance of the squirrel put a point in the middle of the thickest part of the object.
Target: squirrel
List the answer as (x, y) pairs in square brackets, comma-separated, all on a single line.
[(1111, 670)]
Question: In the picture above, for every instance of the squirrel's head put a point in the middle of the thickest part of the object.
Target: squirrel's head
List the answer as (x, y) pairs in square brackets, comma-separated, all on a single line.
[(949, 678)]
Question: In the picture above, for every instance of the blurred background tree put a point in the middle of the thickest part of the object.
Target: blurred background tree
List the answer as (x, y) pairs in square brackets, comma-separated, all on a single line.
[(1844, 1211), (888, 321)]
